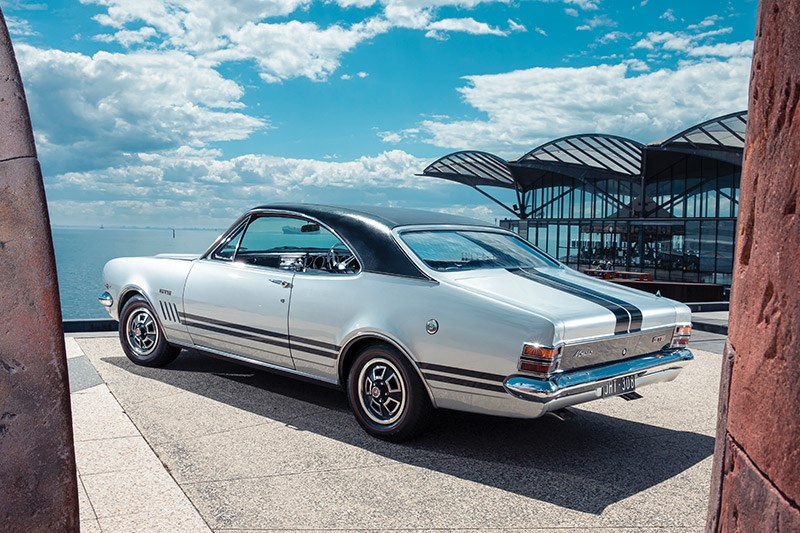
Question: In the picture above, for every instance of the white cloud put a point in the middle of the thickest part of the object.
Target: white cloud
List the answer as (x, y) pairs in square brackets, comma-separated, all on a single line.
[(613, 36), (571, 11), (108, 104), (742, 49), (362, 74), (19, 27), (705, 23), (440, 28), (518, 27), (127, 38), (540, 31), (669, 15), (293, 48), (676, 41), (197, 187), (486, 213), (588, 5), (596, 22), (527, 107)]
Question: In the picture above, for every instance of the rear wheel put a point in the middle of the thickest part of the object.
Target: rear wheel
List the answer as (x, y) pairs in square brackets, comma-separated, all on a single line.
[(141, 335), (386, 394)]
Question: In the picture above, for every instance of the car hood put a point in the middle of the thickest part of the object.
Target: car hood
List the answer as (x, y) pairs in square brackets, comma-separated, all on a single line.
[(580, 306), (181, 257)]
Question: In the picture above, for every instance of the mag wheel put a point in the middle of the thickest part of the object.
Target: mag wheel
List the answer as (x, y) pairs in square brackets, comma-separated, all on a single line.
[(141, 336), (387, 396)]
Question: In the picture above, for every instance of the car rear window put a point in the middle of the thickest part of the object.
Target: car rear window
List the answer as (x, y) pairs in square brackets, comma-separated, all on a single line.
[(447, 250)]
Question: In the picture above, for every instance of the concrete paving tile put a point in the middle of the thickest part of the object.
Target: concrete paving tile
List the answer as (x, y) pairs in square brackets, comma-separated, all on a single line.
[(266, 450), (115, 455), (188, 415), (90, 526), (157, 521), (107, 357), (85, 510), (375, 499), (73, 349), (263, 393), (97, 415), (262, 452), (131, 492)]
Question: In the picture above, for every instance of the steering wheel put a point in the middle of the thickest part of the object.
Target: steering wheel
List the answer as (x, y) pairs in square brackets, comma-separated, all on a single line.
[(339, 265)]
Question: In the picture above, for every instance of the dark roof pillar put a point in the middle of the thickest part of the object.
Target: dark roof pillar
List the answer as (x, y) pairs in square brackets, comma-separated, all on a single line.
[(38, 491)]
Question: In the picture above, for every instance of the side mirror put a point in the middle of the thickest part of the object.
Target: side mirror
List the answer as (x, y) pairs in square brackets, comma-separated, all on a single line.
[(309, 228)]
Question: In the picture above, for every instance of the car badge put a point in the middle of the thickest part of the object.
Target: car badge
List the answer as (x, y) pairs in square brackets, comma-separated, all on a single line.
[(583, 353), (659, 338), (432, 326)]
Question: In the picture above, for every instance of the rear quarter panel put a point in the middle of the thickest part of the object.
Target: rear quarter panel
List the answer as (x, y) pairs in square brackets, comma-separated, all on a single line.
[(475, 332)]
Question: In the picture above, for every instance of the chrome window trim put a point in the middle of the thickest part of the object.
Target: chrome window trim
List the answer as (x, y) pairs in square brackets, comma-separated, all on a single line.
[(251, 216), (400, 230)]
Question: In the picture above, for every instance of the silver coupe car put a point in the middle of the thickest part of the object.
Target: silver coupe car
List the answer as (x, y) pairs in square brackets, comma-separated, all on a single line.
[(406, 310)]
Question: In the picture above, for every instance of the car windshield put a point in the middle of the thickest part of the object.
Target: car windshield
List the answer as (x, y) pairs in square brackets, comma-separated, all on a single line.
[(449, 250)]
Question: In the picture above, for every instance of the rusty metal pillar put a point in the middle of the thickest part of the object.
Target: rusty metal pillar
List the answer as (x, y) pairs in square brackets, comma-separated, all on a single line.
[(756, 473), (38, 487)]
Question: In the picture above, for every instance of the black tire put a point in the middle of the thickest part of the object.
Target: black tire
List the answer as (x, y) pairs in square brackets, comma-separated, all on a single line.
[(141, 335), (387, 395)]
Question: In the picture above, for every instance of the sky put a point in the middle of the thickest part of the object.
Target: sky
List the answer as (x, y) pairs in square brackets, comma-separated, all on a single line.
[(186, 113)]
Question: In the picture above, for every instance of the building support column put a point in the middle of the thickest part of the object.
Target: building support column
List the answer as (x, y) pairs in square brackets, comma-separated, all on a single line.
[(756, 473), (38, 487)]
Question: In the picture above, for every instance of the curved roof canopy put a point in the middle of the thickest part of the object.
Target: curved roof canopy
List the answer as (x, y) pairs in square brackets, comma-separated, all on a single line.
[(591, 158), (473, 168), (720, 138), (576, 154)]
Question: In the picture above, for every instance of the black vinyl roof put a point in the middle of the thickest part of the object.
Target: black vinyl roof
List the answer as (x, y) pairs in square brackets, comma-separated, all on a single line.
[(368, 231), (391, 217)]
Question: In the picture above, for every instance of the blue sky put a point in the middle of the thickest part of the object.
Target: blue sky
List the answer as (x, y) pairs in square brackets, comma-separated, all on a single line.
[(187, 112)]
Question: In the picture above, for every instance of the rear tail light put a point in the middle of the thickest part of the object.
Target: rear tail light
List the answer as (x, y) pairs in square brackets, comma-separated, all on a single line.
[(681, 337), (539, 360)]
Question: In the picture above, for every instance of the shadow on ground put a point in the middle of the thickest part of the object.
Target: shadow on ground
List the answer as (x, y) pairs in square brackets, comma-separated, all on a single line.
[(585, 464)]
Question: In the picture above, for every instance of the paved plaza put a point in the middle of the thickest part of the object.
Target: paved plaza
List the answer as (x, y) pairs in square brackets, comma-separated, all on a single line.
[(204, 445)]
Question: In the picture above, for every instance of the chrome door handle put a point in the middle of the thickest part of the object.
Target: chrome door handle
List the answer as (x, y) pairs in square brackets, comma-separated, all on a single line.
[(282, 283)]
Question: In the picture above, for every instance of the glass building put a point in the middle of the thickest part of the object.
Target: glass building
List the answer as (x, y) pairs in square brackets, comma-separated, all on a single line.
[(667, 208)]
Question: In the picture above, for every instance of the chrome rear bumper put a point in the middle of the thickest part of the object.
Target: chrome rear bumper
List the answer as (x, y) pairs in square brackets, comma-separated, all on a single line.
[(578, 386)]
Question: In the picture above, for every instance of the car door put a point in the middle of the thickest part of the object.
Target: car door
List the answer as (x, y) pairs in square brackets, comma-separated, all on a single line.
[(236, 300)]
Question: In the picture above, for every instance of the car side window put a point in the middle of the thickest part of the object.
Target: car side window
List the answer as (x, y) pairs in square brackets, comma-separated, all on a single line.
[(291, 243), (227, 250)]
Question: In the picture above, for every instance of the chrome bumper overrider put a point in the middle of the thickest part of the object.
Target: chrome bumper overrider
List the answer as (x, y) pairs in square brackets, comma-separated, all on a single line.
[(578, 386)]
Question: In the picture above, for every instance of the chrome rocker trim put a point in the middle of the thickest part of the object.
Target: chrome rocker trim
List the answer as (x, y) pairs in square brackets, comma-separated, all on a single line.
[(571, 388)]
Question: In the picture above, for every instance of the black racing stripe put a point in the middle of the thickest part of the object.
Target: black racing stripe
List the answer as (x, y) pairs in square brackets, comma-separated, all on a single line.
[(163, 311), (324, 349), (463, 382), (238, 334), (323, 353), (313, 342), (249, 329), (622, 316), (177, 314), (462, 372), (216, 339), (635, 312)]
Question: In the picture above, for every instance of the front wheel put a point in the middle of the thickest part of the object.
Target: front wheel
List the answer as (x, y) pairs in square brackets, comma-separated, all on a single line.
[(386, 394), (141, 335)]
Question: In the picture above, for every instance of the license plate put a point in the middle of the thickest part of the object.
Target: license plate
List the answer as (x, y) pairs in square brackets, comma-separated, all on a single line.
[(618, 386)]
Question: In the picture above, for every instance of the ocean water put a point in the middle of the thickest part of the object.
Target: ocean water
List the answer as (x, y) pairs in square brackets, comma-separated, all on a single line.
[(81, 254)]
